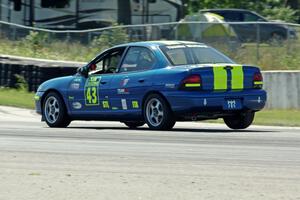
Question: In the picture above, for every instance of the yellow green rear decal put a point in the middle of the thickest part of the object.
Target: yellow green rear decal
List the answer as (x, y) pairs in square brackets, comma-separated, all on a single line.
[(237, 78), (220, 78)]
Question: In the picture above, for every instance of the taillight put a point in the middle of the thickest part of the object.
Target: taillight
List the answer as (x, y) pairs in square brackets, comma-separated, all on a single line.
[(257, 80), (192, 82)]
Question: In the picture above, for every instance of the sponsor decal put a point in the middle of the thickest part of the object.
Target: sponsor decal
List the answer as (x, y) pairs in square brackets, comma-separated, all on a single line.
[(124, 82), (70, 97), (135, 104), (75, 86), (77, 79), (124, 104), (123, 91), (91, 91), (76, 105), (258, 100), (105, 104), (170, 85), (204, 102), (115, 108)]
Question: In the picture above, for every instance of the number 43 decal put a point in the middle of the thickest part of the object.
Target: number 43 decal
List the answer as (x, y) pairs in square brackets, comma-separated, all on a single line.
[(91, 91)]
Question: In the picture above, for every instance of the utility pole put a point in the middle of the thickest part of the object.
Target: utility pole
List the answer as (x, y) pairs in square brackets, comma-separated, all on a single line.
[(31, 13), (77, 14)]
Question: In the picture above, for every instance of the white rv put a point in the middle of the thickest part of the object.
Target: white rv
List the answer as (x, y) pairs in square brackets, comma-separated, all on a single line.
[(84, 14)]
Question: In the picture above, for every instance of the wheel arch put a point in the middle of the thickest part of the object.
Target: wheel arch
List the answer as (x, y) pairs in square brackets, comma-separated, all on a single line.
[(154, 92), (46, 93)]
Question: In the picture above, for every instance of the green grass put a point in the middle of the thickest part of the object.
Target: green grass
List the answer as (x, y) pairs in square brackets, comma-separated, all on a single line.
[(273, 118), (278, 117), (17, 98), (23, 99)]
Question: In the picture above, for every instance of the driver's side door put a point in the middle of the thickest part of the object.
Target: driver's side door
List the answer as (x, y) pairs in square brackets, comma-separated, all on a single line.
[(88, 97)]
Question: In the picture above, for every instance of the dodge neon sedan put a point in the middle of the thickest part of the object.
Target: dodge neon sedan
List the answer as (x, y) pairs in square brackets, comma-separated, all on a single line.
[(158, 83)]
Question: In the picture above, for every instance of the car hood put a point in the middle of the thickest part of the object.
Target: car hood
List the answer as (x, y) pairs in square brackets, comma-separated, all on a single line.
[(55, 83)]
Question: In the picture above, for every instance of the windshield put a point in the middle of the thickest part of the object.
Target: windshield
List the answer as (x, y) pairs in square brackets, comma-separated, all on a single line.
[(193, 54)]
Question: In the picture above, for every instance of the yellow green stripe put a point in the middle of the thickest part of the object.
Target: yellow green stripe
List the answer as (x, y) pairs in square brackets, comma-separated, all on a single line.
[(258, 83), (220, 78), (192, 85), (237, 78)]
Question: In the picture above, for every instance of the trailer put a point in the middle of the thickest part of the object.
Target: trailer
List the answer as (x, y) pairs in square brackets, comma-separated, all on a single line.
[(87, 14)]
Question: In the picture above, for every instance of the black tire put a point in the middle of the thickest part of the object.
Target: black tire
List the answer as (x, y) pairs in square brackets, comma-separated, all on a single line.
[(165, 121), (133, 124), (54, 111), (239, 121), (276, 39)]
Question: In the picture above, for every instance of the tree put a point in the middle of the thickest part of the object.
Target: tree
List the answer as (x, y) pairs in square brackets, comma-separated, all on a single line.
[(288, 9)]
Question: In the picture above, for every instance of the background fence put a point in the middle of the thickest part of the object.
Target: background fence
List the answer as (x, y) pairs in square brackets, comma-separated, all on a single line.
[(269, 45)]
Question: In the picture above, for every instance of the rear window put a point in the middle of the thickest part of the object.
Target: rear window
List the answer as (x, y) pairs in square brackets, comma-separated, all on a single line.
[(193, 54)]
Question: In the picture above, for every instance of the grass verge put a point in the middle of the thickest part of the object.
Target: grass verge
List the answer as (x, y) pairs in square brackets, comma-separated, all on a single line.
[(23, 99), (273, 118), (278, 117), (17, 98)]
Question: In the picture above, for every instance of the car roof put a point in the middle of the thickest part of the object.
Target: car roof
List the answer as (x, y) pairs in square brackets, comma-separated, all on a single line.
[(158, 43), (227, 9)]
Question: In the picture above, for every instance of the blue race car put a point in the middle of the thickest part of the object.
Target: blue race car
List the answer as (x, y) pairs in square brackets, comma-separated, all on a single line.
[(158, 83)]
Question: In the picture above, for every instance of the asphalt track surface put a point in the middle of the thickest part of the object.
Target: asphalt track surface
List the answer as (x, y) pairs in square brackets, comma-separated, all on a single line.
[(106, 160)]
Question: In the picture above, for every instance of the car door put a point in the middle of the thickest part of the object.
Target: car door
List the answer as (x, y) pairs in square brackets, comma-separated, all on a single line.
[(133, 80), (89, 96)]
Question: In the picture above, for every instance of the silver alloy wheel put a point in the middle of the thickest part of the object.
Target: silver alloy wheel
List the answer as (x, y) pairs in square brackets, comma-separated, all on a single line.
[(51, 109), (154, 112)]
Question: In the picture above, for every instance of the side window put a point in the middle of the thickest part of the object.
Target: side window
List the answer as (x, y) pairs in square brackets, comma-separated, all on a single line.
[(107, 63), (249, 17), (138, 58), (232, 16), (177, 56)]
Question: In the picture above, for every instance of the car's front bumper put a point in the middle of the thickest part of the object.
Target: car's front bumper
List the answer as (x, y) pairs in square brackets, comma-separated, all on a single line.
[(187, 102), (38, 102)]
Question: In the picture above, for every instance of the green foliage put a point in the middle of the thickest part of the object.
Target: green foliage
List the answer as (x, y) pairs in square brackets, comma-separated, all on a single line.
[(272, 9), (281, 13), (36, 40), (21, 83), (110, 38)]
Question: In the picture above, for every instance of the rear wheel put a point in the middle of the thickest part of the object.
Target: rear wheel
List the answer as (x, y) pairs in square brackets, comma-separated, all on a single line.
[(54, 111), (134, 124), (239, 121), (157, 113)]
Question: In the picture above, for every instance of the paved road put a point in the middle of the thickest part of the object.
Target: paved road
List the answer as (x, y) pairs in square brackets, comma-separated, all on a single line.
[(105, 160)]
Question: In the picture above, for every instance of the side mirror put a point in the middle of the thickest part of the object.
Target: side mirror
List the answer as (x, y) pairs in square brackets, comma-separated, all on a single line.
[(83, 71)]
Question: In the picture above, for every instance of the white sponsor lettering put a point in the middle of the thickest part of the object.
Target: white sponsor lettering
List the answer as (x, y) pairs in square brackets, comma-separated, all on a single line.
[(124, 104)]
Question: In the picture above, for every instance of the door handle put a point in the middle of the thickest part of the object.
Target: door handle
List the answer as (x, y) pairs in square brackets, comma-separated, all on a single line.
[(103, 82), (141, 80)]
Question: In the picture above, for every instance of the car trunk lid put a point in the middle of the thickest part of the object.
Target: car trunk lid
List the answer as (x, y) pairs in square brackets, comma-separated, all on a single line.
[(223, 77)]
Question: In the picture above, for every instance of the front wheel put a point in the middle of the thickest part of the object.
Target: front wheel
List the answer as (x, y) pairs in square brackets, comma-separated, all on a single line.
[(157, 113), (239, 121), (54, 111)]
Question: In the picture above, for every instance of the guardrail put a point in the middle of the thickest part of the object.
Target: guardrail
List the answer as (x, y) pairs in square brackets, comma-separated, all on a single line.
[(35, 71)]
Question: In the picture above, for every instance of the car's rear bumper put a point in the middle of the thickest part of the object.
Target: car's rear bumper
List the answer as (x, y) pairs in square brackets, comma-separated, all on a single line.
[(187, 102)]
